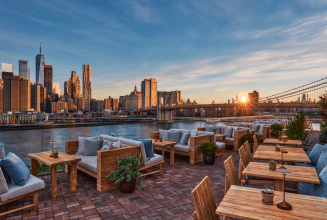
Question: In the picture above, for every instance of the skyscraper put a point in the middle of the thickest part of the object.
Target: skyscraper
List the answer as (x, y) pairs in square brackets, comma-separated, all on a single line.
[(48, 78), (36, 97), (39, 67), (72, 88), (24, 70), (7, 70), (87, 93), (149, 93)]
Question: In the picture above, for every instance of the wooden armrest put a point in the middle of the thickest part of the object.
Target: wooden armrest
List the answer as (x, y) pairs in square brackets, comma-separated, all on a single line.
[(71, 147), (154, 135)]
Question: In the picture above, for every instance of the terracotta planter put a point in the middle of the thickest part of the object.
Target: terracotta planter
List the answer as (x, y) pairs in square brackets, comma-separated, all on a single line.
[(268, 198), (209, 159), (272, 166), (160, 140), (55, 155), (128, 187), (279, 138)]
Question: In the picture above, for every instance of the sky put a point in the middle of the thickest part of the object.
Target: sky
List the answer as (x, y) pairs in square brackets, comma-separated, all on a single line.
[(210, 50)]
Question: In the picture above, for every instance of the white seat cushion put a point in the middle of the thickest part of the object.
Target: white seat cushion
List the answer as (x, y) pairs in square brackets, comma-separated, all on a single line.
[(155, 159), (184, 148), (220, 145), (33, 184), (259, 133), (87, 162), (229, 139)]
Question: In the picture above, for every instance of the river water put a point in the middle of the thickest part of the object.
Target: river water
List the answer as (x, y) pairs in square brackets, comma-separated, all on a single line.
[(23, 142)]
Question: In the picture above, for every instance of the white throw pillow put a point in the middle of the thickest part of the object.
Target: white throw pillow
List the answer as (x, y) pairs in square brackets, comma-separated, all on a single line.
[(106, 142), (81, 144), (116, 144), (261, 128), (164, 134)]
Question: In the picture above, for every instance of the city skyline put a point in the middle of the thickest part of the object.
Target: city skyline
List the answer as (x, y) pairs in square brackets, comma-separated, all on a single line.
[(226, 50)]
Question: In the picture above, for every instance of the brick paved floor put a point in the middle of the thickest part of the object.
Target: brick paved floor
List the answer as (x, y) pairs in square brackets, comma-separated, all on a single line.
[(164, 197)]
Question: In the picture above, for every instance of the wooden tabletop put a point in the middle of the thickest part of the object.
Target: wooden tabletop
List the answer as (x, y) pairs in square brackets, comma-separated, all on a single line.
[(276, 141), (44, 157), (295, 155), (246, 203), (221, 135), (299, 173), (163, 143)]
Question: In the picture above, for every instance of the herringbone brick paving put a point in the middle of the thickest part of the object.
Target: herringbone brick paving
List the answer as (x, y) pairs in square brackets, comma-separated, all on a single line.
[(164, 197)]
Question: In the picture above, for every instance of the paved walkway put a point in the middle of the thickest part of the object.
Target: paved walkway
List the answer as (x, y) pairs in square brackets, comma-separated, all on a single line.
[(164, 197)]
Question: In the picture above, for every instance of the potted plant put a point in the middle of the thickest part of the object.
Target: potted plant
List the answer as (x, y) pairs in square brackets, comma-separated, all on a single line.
[(55, 153), (127, 173), (275, 128), (160, 138), (209, 150), (272, 165), (214, 130), (268, 196), (322, 135)]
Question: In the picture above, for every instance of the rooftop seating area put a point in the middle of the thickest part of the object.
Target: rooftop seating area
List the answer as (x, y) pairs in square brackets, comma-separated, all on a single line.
[(166, 196)]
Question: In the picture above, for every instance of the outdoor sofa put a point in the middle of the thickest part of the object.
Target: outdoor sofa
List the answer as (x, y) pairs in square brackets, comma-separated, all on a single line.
[(191, 148), (107, 160)]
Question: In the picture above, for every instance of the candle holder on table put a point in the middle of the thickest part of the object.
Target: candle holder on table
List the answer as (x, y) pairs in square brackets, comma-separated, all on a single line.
[(284, 205)]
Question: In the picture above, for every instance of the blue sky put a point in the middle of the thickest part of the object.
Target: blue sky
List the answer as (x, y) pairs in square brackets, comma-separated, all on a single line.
[(210, 50)]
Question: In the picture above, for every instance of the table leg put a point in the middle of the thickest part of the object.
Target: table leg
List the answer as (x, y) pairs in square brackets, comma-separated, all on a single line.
[(73, 177), (54, 181), (172, 155), (279, 185), (34, 168), (163, 155), (223, 139)]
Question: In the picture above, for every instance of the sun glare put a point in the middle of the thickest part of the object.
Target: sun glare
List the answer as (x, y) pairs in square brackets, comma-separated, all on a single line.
[(243, 99)]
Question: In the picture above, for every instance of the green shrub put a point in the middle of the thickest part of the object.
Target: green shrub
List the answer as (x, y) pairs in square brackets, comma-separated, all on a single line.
[(296, 129), (128, 169), (208, 148), (322, 132), (249, 137), (276, 130)]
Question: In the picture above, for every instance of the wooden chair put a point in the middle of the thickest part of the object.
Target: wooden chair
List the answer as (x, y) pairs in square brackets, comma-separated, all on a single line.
[(231, 177), (204, 202), (248, 151), (256, 144)]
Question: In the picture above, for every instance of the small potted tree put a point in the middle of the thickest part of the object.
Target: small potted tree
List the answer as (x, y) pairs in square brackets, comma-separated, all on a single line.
[(268, 196), (209, 150), (127, 173), (272, 165), (275, 128), (55, 153), (160, 138), (214, 130)]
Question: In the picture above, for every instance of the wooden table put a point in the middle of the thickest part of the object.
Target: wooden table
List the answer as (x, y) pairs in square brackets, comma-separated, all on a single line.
[(276, 141), (294, 155), (166, 146), (44, 157), (299, 174), (246, 203), (253, 131), (222, 136)]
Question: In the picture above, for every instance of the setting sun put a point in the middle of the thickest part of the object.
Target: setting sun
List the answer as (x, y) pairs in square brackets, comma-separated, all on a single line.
[(243, 99)]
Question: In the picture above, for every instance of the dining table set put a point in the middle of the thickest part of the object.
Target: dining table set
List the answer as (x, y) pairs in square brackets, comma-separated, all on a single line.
[(246, 203)]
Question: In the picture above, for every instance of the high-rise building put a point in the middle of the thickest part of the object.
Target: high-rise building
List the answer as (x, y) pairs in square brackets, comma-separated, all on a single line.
[(1, 96), (36, 97), (7, 70), (24, 70), (39, 68), (111, 103), (134, 100), (43, 99), (56, 88), (80, 104), (48, 78), (16, 94), (59, 107), (149, 93), (73, 88), (87, 92), (96, 105)]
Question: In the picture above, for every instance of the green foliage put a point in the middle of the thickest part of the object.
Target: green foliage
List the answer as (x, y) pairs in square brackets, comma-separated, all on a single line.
[(322, 132), (208, 148), (272, 161), (276, 130), (296, 129), (249, 137), (128, 169)]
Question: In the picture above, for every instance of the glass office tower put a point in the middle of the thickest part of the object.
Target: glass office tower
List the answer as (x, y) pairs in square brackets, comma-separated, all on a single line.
[(24, 70), (39, 67)]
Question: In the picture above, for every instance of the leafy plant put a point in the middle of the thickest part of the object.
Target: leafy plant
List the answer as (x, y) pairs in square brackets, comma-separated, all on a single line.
[(296, 129), (160, 136), (323, 130), (276, 130), (249, 137), (268, 191), (214, 130), (272, 161), (208, 148), (128, 168)]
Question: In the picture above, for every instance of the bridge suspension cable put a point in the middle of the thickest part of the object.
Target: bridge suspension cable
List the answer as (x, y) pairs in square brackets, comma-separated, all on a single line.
[(287, 91)]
